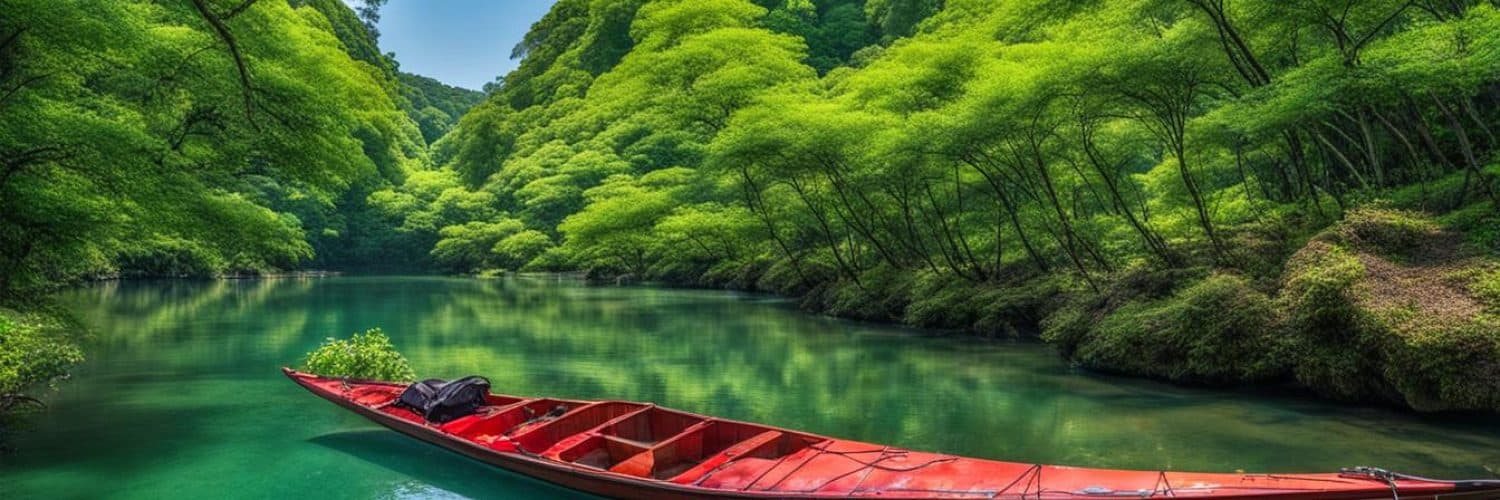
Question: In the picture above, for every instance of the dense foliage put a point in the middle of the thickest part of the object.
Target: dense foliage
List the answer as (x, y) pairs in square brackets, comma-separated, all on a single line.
[(436, 106), (1112, 169), (363, 356), (1388, 306), (191, 138), (1155, 185), (34, 351), (206, 139), (1003, 140)]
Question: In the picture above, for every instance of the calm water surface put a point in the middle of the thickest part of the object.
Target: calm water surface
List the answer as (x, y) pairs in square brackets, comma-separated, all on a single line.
[(181, 397)]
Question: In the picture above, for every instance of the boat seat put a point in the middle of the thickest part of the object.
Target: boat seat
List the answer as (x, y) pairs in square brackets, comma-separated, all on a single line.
[(639, 465), (644, 464), (699, 450), (748, 447), (556, 451), (585, 420), (568, 443)]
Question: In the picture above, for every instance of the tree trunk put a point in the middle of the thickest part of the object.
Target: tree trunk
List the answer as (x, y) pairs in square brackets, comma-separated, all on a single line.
[(753, 198), (1467, 149), (1012, 211), (1154, 243)]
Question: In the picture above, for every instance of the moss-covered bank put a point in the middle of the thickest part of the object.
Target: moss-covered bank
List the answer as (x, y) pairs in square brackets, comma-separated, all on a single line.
[(1392, 306), (1387, 306)]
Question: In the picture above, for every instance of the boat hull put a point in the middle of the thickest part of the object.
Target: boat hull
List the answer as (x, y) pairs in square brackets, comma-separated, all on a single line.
[(781, 478)]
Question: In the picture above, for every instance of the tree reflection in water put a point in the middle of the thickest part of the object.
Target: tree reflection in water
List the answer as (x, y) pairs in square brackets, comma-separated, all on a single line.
[(189, 368)]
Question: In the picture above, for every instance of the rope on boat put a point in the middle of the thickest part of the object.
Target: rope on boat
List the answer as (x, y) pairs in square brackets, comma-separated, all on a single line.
[(768, 470), (1161, 481), (1389, 477), (1035, 473), (868, 468), (797, 468), (857, 484), (1377, 474), (1471, 483), (886, 453)]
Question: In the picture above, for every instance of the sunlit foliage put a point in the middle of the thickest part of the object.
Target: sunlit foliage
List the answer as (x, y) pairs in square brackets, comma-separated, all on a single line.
[(139, 139), (363, 356), (35, 351), (902, 159), (1103, 169)]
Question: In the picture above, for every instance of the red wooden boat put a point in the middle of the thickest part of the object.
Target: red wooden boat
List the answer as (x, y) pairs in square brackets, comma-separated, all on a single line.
[(625, 449)]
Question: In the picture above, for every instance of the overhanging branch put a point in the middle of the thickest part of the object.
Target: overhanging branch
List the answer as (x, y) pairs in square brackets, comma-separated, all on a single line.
[(246, 88)]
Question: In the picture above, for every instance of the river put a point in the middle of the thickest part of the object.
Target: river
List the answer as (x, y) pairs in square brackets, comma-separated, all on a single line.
[(181, 396)]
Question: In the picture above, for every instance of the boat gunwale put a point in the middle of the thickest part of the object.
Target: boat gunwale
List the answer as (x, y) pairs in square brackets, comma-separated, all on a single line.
[(598, 480), (484, 454)]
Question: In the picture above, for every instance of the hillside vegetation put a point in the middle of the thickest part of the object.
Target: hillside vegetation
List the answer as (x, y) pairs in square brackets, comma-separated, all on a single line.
[(1155, 185), (1203, 191), (186, 139)]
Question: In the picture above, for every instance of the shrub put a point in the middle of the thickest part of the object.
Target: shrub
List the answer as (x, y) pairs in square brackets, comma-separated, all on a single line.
[(1391, 232), (1012, 310), (1363, 327), (170, 258), (1441, 365), (1479, 223), (1318, 287), (516, 250), (1070, 325), (1219, 330), (34, 351), (367, 356), (1334, 354)]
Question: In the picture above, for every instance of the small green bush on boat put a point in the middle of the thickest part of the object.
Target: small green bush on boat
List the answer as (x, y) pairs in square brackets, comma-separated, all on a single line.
[(364, 356)]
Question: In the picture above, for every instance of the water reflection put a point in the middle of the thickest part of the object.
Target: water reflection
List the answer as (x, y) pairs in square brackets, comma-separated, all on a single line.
[(191, 367)]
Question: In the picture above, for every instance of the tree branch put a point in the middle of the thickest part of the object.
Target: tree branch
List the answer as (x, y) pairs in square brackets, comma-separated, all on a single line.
[(1381, 27), (246, 87), (237, 10), (11, 401)]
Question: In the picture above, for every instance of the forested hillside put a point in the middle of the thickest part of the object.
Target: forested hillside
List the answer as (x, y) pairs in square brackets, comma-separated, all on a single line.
[(436, 106), (1204, 191), (186, 147), (189, 138), (1157, 186)]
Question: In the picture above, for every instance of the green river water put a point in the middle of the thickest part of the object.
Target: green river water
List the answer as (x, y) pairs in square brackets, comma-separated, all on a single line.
[(181, 396)]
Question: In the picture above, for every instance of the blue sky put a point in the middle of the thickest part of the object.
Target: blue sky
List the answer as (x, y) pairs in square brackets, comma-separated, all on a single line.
[(459, 42)]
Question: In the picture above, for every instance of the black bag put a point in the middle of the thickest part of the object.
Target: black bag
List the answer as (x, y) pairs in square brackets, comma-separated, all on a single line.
[(443, 402)]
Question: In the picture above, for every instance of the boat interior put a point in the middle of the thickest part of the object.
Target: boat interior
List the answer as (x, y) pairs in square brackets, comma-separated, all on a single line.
[(652, 443), (635, 439)]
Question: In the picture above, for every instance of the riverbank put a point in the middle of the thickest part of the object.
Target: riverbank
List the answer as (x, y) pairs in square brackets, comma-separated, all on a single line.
[(163, 356), (1387, 306)]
